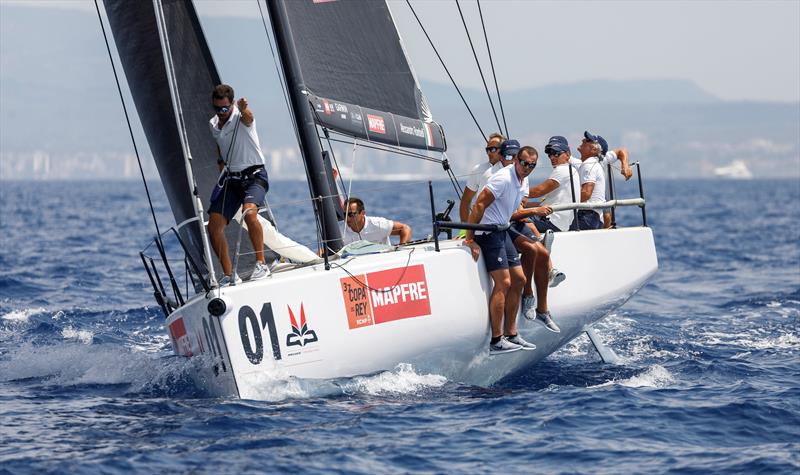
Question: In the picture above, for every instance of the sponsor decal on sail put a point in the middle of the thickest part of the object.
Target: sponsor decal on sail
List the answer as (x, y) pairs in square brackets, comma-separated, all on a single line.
[(412, 130), (327, 106), (376, 124), (385, 296), (179, 338)]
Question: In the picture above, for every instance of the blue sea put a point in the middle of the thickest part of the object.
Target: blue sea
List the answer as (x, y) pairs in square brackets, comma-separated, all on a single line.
[(709, 380)]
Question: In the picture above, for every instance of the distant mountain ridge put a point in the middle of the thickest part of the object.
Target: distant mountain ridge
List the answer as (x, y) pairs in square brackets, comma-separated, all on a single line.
[(598, 91)]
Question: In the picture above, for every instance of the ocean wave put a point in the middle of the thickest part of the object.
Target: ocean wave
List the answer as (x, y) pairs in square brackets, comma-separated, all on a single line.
[(22, 315), (655, 376)]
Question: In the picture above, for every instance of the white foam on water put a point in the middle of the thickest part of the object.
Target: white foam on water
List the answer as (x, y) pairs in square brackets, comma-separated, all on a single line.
[(276, 385), (73, 363), (22, 315), (758, 338), (402, 380), (655, 376), (82, 336)]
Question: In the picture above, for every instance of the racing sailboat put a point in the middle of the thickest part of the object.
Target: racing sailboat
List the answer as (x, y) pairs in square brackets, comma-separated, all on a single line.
[(425, 304)]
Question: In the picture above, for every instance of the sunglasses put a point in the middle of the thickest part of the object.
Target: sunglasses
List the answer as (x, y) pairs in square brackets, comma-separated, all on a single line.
[(530, 165), (553, 154), (492, 149), (222, 109), (351, 214)]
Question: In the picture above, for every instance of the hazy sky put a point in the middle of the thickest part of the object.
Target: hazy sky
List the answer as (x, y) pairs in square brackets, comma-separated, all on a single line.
[(736, 50)]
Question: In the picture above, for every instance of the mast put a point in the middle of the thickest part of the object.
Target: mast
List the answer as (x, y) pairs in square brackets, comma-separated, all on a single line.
[(198, 204), (307, 129)]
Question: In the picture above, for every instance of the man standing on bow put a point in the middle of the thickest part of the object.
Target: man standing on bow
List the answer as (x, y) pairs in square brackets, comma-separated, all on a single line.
[(243, 181), (495, 204)]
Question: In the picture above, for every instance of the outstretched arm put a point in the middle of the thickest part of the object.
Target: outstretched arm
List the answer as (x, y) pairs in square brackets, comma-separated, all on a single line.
[(625, 169), (402, 230), (247, 114)]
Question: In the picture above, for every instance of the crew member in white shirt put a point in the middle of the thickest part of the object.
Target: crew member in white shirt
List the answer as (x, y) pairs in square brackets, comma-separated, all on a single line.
[(562, 186), (609, 157), (495, 204), (245, 181), (480, 174), (361, 227), (593, 182)]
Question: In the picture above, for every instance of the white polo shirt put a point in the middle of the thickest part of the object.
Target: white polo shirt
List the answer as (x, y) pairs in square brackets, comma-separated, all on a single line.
[(376, 229), (562, 194), (591, 171), (246, 151), (480, 174), (508, 192), (610, 159)]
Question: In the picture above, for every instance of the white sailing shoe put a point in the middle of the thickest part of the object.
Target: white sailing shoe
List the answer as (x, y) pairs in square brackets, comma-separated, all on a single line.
[(547, 320), (259, 271), (555, 277), (518, 340), (529, 307), (226, 280), (503, 346)]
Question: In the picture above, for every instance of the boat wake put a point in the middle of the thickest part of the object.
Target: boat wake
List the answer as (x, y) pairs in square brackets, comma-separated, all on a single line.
[(276, 385), (78, 350)]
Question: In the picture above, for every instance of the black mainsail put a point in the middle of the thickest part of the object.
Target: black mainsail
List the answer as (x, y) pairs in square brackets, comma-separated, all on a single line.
[(137, 37)]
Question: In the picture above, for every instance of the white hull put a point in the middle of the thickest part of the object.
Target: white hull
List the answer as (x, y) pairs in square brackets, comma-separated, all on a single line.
[(436, 320)]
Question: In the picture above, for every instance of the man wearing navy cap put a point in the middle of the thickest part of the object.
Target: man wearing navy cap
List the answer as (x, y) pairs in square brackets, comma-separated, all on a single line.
[(560, 187), (593, 181), (605, 157)]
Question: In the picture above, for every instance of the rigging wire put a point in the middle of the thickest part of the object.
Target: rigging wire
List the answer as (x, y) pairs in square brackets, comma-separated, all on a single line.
[(491, 62), (128, 120), (430, 41), (478, 63)]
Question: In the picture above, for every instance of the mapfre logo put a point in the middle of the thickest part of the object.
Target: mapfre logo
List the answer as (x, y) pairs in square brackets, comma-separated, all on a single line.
[(376, 124), (300, 335), (385, 296)]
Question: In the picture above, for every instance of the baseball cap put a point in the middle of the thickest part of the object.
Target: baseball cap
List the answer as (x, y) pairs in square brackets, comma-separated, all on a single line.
[(598, 139), (555, 147), (509, 147)]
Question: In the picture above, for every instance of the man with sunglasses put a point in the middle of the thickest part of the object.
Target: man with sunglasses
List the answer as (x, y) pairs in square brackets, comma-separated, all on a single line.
[(536, 263), (361, 227), (560, 187), (495, 204), (481, 173), (243, 180)]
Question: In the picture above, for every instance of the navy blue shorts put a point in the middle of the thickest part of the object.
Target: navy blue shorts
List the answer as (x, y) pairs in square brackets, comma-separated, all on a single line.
[(520, 228), (587, 219), (251, 188), (543, 224), (498, 250)]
